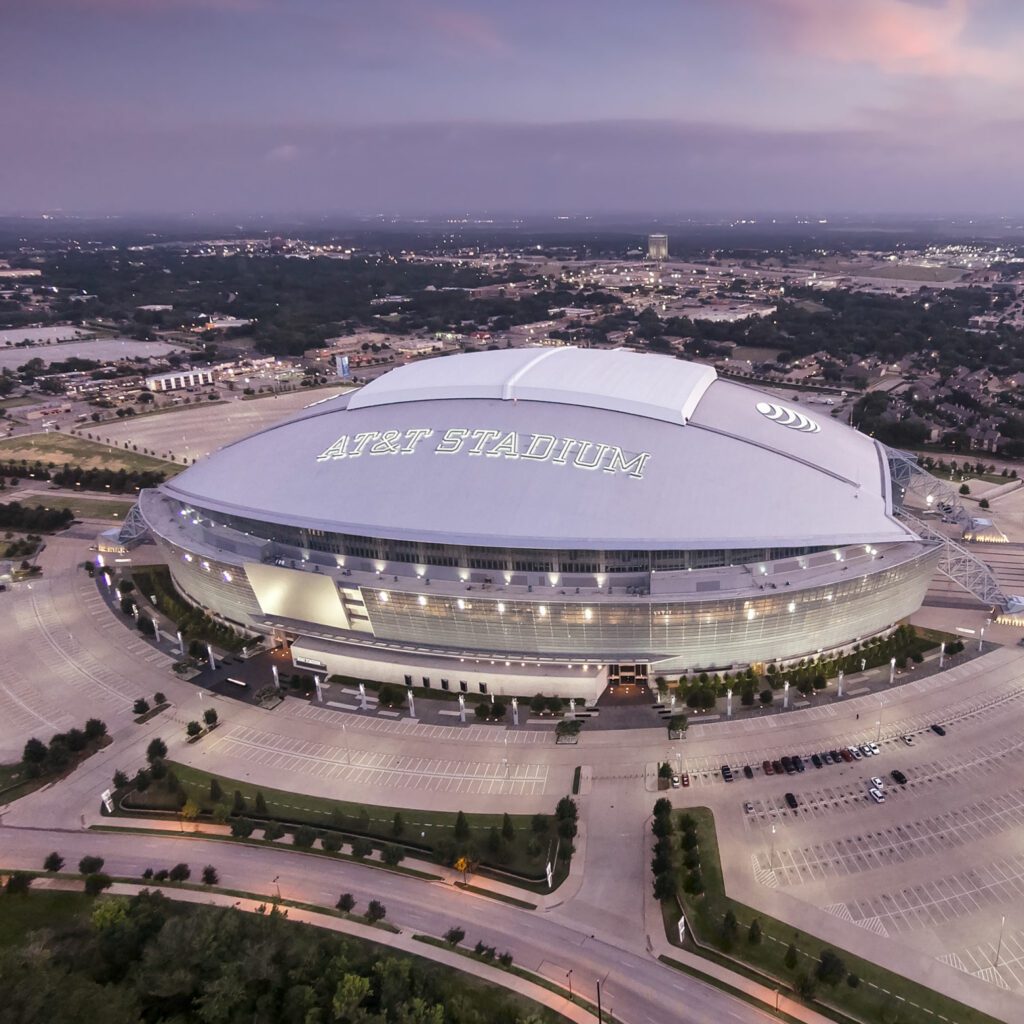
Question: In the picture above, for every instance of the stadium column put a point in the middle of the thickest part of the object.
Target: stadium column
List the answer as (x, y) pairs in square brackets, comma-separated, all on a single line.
[(785, 696), (840, 683), (728, 704), (462, 708), (515, 711)]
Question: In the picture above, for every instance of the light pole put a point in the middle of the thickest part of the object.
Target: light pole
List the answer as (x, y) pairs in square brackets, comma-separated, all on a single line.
[(569, 976), (771, 851), (276, 877), (999, 947)]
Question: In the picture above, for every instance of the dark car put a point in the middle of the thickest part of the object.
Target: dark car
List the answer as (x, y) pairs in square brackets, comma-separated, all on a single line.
[(748, 772), (787, 765), (816, 760), (938, 730), (898, 776), (792, 801), (798, 763), (726, 773), (845, 754), (766, 767), (836, 756), (777, 765)]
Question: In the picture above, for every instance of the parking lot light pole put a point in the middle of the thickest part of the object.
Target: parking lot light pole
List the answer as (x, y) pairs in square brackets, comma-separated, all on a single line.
[(771, 851), (569, 976), (999, 947)]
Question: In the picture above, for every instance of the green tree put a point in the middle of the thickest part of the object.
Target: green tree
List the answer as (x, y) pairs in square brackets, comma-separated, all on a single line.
[(18, 883), (397, 825), (34, 752), (375, 911), (89, 865), (791, 957), (754, 933), (830, 969), (508, 831), (261, 803), (346, 901), (210, 876), (238, 803), (361, 848), (210, 717), (96, 882), (156, 751), (461, 827), (54, 862), (392, 855), (454, 935), (216, 793), (120, 779), (193, 728)]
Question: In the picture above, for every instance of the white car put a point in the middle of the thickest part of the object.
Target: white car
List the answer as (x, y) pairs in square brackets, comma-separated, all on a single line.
[(909, 740), (877, 782), (875, 749), (877, 795), (857, 755), (866, 750)]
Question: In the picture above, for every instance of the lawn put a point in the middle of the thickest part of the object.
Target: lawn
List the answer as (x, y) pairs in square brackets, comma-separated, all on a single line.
[(873, 999), (20, 915), (86, 508), (58, 449), (525, 854)]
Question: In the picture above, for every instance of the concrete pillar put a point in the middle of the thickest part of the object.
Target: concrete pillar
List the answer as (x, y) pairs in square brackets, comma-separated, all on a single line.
[(277, 678), (462, 708), (412, 704), (572, 708), (319, 691), (892, 670), (672, 701), (942, 653), (863, 664), (728, 704), (840, 682), (785, 696), (362, 696), (515, 710), (212, 659), (181, 644)]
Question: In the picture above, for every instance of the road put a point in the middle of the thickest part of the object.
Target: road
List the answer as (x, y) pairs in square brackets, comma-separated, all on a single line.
[(635, 987)]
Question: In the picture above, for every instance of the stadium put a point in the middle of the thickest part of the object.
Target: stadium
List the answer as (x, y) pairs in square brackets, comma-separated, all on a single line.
[(546, 520)]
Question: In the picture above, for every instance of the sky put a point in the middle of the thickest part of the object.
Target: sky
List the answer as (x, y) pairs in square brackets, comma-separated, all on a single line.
[(416, 107)]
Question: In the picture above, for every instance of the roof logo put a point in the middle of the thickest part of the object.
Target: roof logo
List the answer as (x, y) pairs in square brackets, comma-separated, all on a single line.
[(788, 417)]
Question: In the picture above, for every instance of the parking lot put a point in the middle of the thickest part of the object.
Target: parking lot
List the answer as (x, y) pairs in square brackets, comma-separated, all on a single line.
[(323, 761)]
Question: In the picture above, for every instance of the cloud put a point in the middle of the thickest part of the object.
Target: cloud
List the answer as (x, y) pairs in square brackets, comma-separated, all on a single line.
[(461, 28), (905, 37), (282, 154)]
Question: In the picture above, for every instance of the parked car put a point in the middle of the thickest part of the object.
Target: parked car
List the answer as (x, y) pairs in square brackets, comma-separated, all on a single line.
[(898, 776), (846, 754), (877, 782), (748, 772), (826, 756), (685, 779), (766, 767), (792, 801), (875, 749), (909, 740), (675, 782), (865, 749), (837, 756), (798, 763), (877, 795), (938, 730), (727, 773), (856, 753), (816, 760), (748, 807), (777, 765), (787, 765)]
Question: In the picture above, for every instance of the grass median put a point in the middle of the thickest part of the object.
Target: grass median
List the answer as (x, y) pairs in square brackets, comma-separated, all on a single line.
[(834, 981), (517, 845)]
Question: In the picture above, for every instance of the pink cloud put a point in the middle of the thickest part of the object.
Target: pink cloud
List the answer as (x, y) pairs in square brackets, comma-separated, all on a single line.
[(897, 36), (461, 29)]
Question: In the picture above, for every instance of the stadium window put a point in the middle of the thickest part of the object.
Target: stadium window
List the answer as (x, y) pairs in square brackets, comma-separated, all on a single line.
[(463, 686), (408, 680), (444, 684), (483, 687), (426, 682)]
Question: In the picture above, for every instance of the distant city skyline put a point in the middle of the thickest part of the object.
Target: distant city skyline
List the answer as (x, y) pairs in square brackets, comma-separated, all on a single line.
[(404, 107)]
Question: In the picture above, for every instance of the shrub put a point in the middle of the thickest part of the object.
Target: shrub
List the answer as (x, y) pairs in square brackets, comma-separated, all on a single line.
[(54, 862), (392, 855), (397, 824), (210, 876), (791, 957), (831, 968), (272, 830), (754, 934), (538, 704), (767, 697), (18, 883), (331, 842), (346, 901), (540, 824), (852, 980), (554, 705), (483, 711), (210, 717), (304, 837), (179, 873), (157, 749), (454, 936), (361, 848), (193, 728), (242, 828), (159, 697), (376, 911)]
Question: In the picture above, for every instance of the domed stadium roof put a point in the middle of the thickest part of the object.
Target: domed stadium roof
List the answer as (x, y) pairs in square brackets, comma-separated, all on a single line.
[(558, 448)]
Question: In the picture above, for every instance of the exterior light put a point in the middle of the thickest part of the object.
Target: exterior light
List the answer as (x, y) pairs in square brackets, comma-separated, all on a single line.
[(501, 608), (461, 605), (542, 610), (227, 576), (422, 600), (382, 597), (587, 614)]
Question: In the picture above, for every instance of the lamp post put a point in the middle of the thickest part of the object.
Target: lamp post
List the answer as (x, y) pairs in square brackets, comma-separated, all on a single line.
[(569, 976), (999, 947), (771, 851)]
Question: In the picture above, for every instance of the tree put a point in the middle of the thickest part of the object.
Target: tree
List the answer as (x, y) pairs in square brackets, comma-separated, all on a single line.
[(156, 751), (983, 503), (508, 831), (454, 935), (754, 934), (190, 810), (34, 752), (95, 729), (89, 865), (193, 728), (242, 828), (392, 855), (791, 957), (159, 698), (261, 802), (216, 793), (664, 770), (806, 986), (664, 886), (482, 710), (210, 717), (54, 862), (18, 883), (397, 825), (678, 723), (238, 802), (346, 901), (376, 911), (730, 927), (662, 807), (210, 876), (830, 969), (767, 697), (964, 489), (461, 827), (540, 824), (304, 837), (538, 704), (331, 842), (179, 873), (361, 848), (141, 706), (96, 882)]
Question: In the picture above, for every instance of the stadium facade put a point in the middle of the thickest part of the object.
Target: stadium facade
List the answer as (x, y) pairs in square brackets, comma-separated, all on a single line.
[(546, 520)]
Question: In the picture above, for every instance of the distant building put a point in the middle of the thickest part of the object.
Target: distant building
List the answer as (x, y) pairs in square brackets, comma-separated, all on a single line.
[(177, 379), (657, 247)]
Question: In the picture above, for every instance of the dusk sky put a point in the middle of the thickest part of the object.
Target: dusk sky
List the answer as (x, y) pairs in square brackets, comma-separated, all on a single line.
[(592, 106)]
